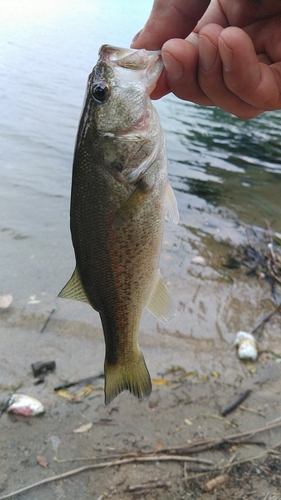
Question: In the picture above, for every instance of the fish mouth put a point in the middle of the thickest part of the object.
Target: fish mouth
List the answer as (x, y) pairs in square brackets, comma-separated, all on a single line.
[(148, 62)]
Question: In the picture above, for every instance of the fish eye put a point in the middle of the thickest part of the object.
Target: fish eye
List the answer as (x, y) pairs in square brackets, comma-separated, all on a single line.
[(100, 92)]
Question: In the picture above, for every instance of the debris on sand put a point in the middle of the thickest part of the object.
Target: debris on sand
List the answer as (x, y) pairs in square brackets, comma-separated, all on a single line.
[(43, 367), (42, 461), (5, 301), (246, 344), (261, 255), (24, 405), (216, 482)]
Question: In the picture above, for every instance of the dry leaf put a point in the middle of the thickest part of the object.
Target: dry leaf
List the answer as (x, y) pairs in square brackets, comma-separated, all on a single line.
[(42, 461), (189, 374), (159, 381), (85, 391), (77, 395), (252, 369), (159, 446), (64, 394), (83, 428)]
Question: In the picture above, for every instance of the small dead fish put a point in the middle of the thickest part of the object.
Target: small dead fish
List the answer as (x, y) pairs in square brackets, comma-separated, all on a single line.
[(120, 196), (24, 405)]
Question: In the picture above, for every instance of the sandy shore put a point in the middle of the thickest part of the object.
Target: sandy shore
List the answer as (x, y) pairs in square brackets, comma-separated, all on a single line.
[(185, 407)]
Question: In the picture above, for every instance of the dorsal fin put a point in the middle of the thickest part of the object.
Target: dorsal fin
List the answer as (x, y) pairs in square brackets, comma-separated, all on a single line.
[(160, 302), (74, 289)]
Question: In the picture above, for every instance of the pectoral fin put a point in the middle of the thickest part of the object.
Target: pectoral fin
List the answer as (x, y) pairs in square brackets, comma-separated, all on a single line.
[(172, 212), (160, 302), (74, 289), (132, 205)]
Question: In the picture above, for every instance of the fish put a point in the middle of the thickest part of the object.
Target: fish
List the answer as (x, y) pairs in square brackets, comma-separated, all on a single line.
[(120, 197), (24, 405)]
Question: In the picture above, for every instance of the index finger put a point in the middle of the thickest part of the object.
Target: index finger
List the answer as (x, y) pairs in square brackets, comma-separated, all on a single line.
[(169, 19)]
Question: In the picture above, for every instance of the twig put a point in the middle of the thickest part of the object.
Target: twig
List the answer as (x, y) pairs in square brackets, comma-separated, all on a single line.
[(79, 459), (265, 319), (234, 405), (134, 456), (154, 458), (149, 486), (55, 308), (238, 462), (251, 410), (218, 417), (255, 457), (254, 431), (273, 422), (82, 381), (207, 444)]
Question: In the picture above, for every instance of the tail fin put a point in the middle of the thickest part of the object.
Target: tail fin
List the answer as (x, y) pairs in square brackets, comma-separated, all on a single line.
[(133, 376)]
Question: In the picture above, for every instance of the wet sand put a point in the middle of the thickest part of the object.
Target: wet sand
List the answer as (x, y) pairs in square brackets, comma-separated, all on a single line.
[(212, 304)]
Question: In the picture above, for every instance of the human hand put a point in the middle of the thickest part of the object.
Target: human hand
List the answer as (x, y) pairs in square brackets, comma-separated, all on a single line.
[(232, 59)]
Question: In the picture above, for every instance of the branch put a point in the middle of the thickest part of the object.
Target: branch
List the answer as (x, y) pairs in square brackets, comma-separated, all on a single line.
[(109, 464)]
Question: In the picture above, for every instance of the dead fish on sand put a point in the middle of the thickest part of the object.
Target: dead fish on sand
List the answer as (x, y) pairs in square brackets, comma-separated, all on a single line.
[(120, 196), (24, 405)]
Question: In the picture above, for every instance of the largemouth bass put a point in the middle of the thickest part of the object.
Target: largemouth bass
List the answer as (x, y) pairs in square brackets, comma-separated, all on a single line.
[(120, 195)]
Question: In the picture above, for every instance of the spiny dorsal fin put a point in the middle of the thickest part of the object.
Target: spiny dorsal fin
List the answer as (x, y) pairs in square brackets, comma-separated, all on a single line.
[(160, 302), (74, 289), (171, 212)]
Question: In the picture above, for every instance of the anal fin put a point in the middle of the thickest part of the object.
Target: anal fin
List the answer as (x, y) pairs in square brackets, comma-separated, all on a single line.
[(160, 303), (74, 289)]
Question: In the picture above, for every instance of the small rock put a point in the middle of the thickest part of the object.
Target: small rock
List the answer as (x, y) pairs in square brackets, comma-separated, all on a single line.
[(5, 301), (43, 367), (198, 260)]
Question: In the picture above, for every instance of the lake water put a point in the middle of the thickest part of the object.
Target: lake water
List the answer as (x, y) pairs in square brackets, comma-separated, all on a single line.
[(220, 167)]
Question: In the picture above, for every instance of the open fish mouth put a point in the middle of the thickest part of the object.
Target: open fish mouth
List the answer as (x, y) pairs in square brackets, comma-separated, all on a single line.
[(149, 62)]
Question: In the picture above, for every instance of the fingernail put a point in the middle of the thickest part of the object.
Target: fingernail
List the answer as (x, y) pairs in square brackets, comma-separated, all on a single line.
[(193, 38), (173, 67), (207, 53), (136, 36), (226, 55)]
